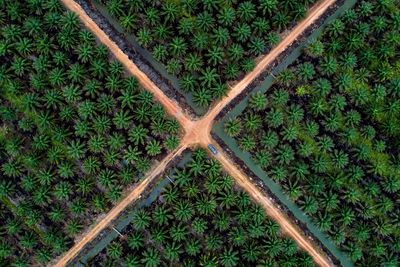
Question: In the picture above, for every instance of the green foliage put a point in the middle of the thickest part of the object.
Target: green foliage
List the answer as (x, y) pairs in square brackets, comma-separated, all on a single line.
[(207, 43), (330, 134), (208, 221), (75, 129)]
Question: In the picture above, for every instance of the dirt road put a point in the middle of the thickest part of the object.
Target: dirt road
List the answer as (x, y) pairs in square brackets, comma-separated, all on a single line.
[(285, 223), (115, 211), (198, 132)]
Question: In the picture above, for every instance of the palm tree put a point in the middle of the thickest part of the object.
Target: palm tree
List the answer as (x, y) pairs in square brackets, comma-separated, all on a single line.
[(340, 159), (206, 205), (186, 26), (62, 190), (235, 52), (135, 240), (251, 251), (336, 28), (174, 66), (115, 7), (286, 77), (200, 40), (128, 22), (161, 215), (209, 77), (306, 71), (141, 219), (178, 46), (222, 222), (289, 247), (205, 21), (78, 206), (13, 227), (96, 144), (309, 204), (76, 73), (268, 6), (258, 101), (106, 177), (324, 221), (7, 188), (178, 232), (188, 83), (227, 199), (221, 36), (215, 55), (315, 49), (242, 32), (138, 134), (233, 127), (273, 39), (171, 142), (99, 202), (114, 193), (170, 194), (170, 11), (202, 97), (132, 261), (43, 255), (153, 148), (231, 71), (199, 225), (122, 119), (91, 165), (159, 235), (184, 211), (193, 62), (73, 227), (151, 258), (226, 16), (252, 122), (160, 52), (213, 242), (114, 250), (246, 11), (280, 20), (56, 214), (85, 52), (247, 143), (275, 118), (293, 190), (172, 252), (193, 247), (257, 46), (132, 154)]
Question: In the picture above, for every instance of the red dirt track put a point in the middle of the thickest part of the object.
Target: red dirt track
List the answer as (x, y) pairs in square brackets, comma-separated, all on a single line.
[(198, 133)]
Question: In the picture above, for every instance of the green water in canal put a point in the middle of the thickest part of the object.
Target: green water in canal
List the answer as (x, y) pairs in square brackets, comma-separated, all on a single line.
[(124, 220), (246, 157)]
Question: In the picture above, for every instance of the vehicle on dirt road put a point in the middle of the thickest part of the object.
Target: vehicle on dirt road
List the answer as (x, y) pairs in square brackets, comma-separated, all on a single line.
[(212, 149)]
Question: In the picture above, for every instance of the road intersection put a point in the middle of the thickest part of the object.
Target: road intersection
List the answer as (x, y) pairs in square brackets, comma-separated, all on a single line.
[(197, 133)]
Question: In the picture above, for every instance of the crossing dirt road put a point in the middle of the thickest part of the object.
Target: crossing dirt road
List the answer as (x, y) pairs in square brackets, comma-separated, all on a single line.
[(198, 133)]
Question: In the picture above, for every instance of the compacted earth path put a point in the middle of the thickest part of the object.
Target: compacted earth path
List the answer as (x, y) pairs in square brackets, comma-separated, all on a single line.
[(198, 133)]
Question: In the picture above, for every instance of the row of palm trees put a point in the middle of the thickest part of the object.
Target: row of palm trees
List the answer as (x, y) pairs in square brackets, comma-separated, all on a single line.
[(202, 219), (74, 129), (328, 132), (206, 43)]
